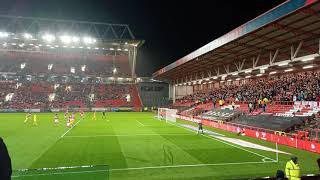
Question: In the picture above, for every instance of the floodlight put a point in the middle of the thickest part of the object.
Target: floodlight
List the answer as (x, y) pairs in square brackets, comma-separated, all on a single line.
[(83, 68), (288, 70), (308, 67), (27, 36), (22, 65), (307, 59), (88, 40), (248, 76), (48, 37), (4, 34), (283, 64), (259, 74), (65, 39), (75, 39), (50, 67), (273, 72), (114, 70)]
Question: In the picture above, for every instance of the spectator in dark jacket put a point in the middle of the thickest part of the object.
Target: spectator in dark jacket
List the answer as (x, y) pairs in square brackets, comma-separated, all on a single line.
[(280, 175), (5, 162)]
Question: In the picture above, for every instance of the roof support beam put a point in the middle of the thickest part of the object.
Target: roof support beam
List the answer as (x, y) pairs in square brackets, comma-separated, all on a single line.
[(239, 65), (294, 52), (217, 70), (227, 68), (255, 61), (273, 56)]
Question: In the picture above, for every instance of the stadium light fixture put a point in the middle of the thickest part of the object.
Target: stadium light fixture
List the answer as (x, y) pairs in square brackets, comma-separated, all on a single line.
[(204, 83), (307, 67), (234, 74), (88, 47), (207, 79), (83, 68), (307, 59), (27, 36), (80, 47), (31, 44), (259, 75), (126, 49), (13, 44), (114, 70), (288, 70), (50, 67), (273, 72), (96, 48), (264, 68), (21, 45), (222, 81), (75, 39), (210, 82), (65, 39), (111, 49), (119, 49), (229, 80), (72, 47), (283, 64), (49, 38), (4, 34), (215, 77), (22, 65), (56, 46), (238, 79), (248, 71), (248, 77), (88, 40), (72, 70), (4, 44)]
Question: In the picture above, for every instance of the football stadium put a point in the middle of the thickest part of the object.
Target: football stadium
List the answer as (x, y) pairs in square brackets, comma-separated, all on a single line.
[(244, 106)]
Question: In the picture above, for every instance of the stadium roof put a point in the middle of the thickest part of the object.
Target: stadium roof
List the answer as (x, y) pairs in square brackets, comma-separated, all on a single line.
[(280, 38)]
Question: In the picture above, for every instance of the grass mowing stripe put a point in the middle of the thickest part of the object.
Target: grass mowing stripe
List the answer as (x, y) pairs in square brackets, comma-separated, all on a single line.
[(211, 137)]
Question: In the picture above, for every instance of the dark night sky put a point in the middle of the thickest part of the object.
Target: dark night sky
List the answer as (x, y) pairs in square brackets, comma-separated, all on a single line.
[(172, 29)]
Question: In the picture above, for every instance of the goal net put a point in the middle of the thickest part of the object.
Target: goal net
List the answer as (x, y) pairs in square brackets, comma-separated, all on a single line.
[(167, 114)]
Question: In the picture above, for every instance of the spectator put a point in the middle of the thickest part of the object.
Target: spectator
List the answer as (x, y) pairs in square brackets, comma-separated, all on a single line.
[(280, 175), (5, 162)]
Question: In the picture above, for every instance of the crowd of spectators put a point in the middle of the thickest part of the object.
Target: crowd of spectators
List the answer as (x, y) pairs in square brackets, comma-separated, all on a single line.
[(289, 87), (36, 94)]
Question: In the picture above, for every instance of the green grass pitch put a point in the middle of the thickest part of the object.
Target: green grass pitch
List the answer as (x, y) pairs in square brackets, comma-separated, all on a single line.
[(129, 145)]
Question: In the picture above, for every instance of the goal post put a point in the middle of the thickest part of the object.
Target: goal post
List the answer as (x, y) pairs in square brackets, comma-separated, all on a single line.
[(167, 114)]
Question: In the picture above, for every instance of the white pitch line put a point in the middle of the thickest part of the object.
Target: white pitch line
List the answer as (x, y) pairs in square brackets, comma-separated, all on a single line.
[(140, 123), (226, 143), (142, 168), (58, 173), (70, 129), (116, 135)]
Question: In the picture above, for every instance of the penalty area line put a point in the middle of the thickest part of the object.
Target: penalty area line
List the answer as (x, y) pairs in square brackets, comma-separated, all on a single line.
[(140, 123), (69, 129)]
